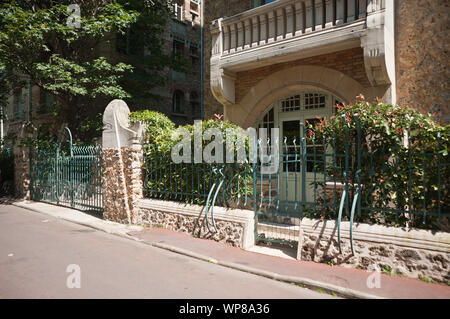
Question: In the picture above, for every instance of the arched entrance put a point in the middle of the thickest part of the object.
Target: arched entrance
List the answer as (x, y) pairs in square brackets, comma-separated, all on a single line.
[(288, 114)]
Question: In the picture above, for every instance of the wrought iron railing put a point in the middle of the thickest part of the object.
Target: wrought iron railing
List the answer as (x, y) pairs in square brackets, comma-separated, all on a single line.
[(328, 178), (72, 178)]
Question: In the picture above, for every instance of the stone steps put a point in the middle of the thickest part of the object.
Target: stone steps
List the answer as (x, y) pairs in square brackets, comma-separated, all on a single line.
[(278, 231)]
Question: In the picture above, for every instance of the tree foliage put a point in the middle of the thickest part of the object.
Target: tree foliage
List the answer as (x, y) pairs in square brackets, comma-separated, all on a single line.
[(78, 64)]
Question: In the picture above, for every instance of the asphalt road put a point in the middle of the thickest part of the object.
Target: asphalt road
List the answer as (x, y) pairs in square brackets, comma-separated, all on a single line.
[(36, 249)]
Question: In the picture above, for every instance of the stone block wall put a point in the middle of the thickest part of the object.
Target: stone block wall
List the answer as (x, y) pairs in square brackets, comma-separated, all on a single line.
[(422, 55), (410, 253)]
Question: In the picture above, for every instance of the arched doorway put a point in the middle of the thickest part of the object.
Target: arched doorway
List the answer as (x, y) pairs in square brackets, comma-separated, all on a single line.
[(288, 114)]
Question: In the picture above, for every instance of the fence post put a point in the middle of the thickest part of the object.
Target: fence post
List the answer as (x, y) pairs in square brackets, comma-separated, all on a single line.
[(22, 172), (122, 164)]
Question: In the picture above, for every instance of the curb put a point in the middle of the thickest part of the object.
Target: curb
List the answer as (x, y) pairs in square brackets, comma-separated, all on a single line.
[(308, 283), (116, 233)]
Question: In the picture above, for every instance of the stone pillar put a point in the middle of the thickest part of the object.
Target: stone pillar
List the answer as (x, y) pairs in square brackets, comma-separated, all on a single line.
[(22, 172), (122, 164)]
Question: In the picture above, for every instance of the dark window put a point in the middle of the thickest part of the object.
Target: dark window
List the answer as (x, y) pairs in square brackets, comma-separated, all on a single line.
[(257, 3), (177, 102), (314, 101), (178, 48), (46, 102), (129, 42), (18, 104), (291, 104), (195, 103)]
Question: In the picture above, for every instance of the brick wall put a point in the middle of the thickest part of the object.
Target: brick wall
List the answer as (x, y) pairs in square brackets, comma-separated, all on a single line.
[(422, 55), (349, 62), (213, 10)]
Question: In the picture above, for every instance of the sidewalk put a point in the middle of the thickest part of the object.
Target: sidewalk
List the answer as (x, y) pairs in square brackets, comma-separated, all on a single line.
[(345, 282)]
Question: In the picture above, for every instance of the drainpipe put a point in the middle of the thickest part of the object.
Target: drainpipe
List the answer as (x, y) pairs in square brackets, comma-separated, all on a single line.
[(29, 100), (202, 115), (2, 134)]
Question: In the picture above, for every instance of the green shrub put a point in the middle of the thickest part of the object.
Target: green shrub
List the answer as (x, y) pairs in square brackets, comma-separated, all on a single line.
[(158, 131), (187, 182), (399, 169)]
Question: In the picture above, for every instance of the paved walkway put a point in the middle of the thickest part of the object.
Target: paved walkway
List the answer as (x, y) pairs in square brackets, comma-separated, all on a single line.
[(342, 281)]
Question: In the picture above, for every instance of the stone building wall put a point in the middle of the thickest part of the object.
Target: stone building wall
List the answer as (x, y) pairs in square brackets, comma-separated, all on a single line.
[(213, 10), (422, 55)]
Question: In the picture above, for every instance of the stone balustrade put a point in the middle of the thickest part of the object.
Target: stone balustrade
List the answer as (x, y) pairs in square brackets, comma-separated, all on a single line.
[(289, 30), (285, 19)]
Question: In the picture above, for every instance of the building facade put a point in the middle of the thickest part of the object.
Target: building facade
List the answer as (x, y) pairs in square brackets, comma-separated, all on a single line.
[(181, 96), (270, 62)]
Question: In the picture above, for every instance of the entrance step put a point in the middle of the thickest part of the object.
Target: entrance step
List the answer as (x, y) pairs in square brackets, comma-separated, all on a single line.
[(276, 251), (278, 231)]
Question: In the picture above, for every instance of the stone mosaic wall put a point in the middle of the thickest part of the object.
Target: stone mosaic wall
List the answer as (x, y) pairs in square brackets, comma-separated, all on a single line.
[(228, 232), (114, 195), (405, 261), (22, 173), (422, 55), (410, 253)]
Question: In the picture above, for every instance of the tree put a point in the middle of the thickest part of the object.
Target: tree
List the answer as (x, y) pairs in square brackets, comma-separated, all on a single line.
[(72, 57)]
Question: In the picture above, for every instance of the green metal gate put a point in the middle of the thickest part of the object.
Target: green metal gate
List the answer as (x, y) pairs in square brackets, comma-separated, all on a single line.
[(70, 178)]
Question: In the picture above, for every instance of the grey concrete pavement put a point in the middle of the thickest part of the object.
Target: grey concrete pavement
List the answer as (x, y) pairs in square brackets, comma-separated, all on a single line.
[(35, 250)]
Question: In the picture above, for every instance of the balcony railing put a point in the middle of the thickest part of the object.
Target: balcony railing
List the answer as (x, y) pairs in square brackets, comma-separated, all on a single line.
[(286, 19)]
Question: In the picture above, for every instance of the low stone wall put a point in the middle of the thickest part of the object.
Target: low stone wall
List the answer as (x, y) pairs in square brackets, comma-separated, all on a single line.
[(411, 253), (234, 226)]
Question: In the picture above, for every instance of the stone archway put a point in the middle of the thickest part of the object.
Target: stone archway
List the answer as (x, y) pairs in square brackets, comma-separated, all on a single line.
[(287, 81)]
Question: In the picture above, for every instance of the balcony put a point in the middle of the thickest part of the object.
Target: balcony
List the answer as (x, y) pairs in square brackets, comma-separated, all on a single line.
[(287, 30)]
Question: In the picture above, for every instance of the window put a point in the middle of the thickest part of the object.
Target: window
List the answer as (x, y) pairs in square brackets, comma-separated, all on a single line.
[(314, 101), (195, 103), (257, 3), (178, 10), (46, 102), (268, 122), (291, 104), (195, 61), (178, 47), (18, 104), (177, 102), (129, 43)]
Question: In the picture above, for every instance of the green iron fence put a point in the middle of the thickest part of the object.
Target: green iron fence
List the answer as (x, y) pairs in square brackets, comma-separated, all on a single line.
[(210, 185), (345, 178), (72, 178), (355, 178)]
